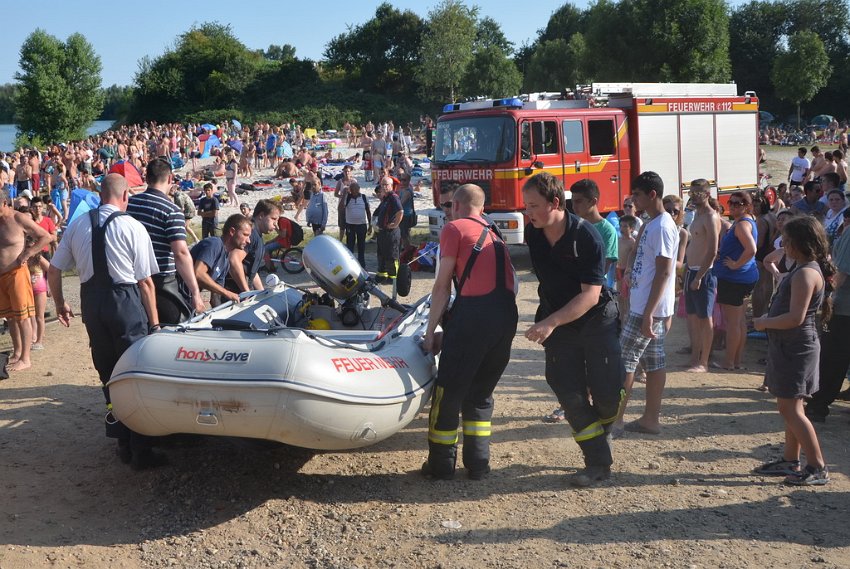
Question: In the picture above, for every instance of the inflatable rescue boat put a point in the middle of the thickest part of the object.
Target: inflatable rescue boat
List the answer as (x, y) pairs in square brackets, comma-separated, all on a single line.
[(285, 364)]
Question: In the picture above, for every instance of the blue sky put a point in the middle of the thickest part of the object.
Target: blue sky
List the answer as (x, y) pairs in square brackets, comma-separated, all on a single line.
[(147, 28)]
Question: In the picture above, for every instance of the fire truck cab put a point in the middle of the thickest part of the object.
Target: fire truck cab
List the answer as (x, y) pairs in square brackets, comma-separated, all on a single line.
[(608, 132)]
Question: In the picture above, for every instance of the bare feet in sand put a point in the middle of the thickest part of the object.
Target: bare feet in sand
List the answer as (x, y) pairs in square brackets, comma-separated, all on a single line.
[(696, 369), (18, 365)]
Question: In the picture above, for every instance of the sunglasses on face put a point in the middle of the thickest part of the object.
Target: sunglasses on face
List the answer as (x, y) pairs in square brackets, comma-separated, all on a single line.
[(733, 203), (628, 206), (672, 211), (446, 205)]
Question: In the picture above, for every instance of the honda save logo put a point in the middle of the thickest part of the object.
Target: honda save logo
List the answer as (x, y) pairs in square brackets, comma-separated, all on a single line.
[(212, 356)]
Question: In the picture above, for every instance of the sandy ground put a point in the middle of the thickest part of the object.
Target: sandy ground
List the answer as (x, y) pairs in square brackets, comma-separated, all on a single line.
[(681, 499)]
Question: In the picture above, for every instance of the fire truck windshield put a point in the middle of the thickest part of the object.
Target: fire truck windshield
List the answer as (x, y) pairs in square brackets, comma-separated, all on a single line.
[(475, 139)]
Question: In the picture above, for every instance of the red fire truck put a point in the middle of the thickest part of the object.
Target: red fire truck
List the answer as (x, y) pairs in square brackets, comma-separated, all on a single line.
[(609, 132)]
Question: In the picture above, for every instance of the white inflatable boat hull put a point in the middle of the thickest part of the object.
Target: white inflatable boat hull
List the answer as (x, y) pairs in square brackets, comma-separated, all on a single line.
[(328, 389)]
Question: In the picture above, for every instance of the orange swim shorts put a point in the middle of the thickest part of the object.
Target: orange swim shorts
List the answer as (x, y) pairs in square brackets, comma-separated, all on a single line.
[(16, 299)]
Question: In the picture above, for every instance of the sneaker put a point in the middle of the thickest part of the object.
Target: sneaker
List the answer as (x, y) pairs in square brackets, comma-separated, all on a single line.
[(810, 476), (779, 467), (589, 475)]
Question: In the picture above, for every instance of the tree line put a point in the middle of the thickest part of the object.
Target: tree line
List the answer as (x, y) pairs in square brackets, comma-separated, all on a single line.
[(398, 64)]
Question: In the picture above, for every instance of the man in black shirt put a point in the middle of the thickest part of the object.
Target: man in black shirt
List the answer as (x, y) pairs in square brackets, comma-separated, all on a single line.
[(577, 322), (245, 263), (388, 215)]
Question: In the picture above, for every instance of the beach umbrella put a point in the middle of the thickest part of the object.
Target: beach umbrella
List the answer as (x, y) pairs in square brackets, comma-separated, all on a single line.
[(237, 124), (822, 120), (208, 127), (765, 117), (130, 172), (235, 145)]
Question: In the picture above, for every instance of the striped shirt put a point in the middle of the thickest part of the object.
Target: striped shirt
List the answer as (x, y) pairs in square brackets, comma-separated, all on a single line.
[(164, 221)]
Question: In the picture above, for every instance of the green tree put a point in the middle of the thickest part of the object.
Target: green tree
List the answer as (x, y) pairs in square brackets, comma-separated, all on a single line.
[(8, 95), (208, 68), (802, 70), (380, 55), (283, 52), (489, 34), (116, 102), (492, 74), (831, 21), (557, 64), (563, 23), (447, 49), (659, 40), (59, 85), (755, 31)]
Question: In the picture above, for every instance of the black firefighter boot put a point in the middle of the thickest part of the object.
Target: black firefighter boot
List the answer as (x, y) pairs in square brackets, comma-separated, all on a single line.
[(597, 462), (476, 456), (441, 461)]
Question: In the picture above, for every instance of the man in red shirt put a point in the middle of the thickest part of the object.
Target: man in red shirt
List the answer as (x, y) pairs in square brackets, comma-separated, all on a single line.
[(476, 343)]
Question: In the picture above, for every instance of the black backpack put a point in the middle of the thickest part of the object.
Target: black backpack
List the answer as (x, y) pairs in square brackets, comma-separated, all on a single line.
[(297, 233)]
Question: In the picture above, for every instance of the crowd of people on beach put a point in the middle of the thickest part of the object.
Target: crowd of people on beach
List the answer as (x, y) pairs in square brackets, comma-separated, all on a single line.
[(834, 132), (39, 184), (607, 291)]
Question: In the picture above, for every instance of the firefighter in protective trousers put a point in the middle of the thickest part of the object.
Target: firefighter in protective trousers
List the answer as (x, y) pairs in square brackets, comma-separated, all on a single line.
[(577, 322), (476, 342)]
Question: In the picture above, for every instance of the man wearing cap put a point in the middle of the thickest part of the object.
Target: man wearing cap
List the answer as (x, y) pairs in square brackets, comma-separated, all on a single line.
[(116, 259), (476, 342)]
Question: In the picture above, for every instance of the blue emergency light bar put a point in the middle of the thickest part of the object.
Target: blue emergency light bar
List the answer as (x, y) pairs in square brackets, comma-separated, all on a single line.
[(510, 103)]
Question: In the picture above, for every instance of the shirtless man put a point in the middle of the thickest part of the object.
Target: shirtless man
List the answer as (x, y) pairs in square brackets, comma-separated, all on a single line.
[(4, 178), (23, 176), (287, 169), (817, 162), (700, 282), (35, 166), (17, 305), (379, 152), (162, 148)]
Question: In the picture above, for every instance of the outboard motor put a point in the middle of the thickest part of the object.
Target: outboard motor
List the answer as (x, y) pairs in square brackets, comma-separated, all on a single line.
[(336, 270)]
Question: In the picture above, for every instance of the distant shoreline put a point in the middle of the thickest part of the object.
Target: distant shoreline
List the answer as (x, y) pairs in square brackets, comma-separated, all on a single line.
[(9, 131)]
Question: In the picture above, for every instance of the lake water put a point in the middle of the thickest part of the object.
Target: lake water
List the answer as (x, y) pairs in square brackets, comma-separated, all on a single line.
[(9, 131)]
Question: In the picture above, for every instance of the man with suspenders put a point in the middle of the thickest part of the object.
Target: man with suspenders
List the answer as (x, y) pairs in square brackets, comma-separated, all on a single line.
[(476, 342), (115, 258)]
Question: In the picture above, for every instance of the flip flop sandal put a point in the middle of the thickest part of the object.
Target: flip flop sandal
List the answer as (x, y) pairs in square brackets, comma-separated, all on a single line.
[(636, 427), (556, 416), (779, 467)]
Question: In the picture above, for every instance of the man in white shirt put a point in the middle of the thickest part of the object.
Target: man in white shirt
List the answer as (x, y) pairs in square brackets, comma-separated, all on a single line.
[(799, 169), (652, 297), (358, 220), (115, 258)]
